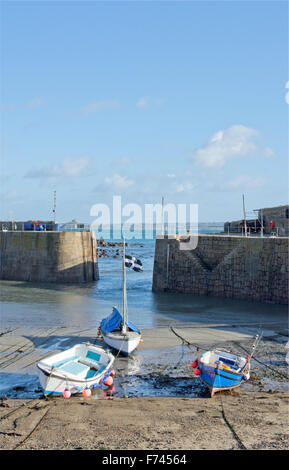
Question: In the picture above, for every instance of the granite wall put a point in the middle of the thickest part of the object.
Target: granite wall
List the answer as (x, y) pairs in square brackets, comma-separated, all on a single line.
[(48, 256), (224, 266)]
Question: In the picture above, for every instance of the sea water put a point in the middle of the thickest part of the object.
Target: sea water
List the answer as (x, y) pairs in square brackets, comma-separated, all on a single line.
[(84, 305)]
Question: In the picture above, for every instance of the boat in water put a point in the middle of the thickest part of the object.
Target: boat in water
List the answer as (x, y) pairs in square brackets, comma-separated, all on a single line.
[(117, 331), (221, 370), (84, 366)]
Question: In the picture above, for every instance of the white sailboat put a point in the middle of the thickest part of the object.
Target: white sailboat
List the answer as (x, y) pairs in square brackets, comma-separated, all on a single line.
[(117, 331)]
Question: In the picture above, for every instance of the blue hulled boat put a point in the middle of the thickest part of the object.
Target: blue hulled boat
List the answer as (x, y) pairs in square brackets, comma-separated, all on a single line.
[(221, 370)]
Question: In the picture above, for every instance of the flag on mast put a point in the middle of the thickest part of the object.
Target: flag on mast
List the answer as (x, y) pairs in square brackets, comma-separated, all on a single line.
[(133, 263)]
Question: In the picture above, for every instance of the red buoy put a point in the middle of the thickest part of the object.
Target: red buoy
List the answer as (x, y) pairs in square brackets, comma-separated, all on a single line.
[(66, 393), (197, 371), (108, 381), (195, 363)]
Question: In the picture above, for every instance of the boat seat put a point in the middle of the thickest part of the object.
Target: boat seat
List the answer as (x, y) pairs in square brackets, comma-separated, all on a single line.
[(93, 365), (73, 367), (91, 360), (93, 355), (90, 363), (230, 363), (101, 369), (64, 361), (91, 373)]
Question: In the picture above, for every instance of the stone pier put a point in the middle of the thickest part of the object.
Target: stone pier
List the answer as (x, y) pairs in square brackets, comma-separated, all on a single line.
[(48, 256), (224, 266)]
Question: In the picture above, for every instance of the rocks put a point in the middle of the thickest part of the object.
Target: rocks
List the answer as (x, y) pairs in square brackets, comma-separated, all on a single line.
[(105, 243), (107, 249)]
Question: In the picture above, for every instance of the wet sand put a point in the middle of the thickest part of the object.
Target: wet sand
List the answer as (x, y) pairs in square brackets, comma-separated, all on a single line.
[(144, 413), (259, 422)]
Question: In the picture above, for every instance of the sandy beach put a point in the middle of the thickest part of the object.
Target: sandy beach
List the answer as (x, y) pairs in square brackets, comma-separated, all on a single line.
[(254, 416), (260, 422)]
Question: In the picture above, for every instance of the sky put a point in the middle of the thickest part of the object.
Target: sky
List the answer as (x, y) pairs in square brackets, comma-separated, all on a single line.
[(143, 99)]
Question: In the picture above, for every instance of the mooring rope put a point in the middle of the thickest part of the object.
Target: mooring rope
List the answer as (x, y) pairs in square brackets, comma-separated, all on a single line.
[(18, 408), (230, 426), (281, 374), (227, 422), (118, 352), (186, 342), (178, 362), (33, 430)]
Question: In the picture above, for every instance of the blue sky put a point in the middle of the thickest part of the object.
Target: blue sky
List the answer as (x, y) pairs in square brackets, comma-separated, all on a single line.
[(184, 100)]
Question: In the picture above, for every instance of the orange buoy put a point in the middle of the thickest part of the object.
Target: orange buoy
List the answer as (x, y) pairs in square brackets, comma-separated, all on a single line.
[(86, 392)]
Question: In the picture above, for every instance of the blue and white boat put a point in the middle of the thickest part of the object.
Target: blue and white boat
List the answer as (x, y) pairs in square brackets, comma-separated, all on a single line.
[(124, 340), (117, 331), (221, 370), (75, 369)]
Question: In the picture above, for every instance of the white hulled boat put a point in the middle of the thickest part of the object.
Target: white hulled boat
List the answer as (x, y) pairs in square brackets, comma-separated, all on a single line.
[(117, 331), (75, 369)]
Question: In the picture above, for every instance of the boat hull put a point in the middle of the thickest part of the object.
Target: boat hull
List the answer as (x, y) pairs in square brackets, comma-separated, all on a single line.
[(218, 379), (54, 379), (124, 344), (55, 385)]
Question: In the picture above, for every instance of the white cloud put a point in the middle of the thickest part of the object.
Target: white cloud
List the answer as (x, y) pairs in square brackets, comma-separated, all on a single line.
[(240, 183), (268, 152), (9, 196), (123, 161), (146, 101), (35, 103), (114, 183), (100, 106), (235, 142), (246, 182), (168, 183), (118, 182), (185, 187), (159, 101), (68, 168), (143, 102), (7, 108)]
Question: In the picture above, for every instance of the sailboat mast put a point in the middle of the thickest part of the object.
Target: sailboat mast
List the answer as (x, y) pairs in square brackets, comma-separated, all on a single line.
[(124, 304)]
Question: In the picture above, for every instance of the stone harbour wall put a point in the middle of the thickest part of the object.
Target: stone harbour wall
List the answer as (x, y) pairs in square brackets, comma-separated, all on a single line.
[(48, 256), (224, 266)]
